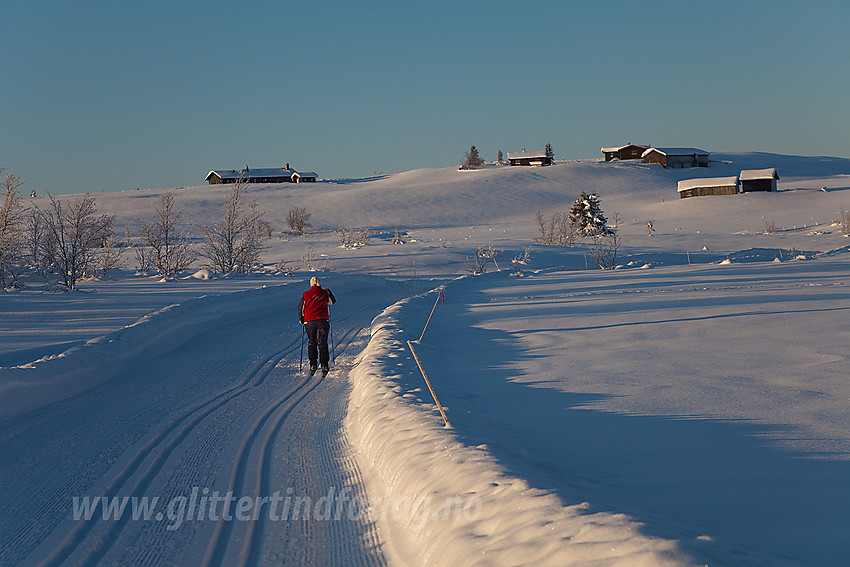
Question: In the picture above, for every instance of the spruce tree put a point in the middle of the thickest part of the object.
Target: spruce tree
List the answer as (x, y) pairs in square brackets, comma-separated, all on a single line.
[(587, 218), (473, 160)]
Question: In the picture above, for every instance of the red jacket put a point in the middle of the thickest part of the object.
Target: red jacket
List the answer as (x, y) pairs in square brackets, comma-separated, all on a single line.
[(314, 304)]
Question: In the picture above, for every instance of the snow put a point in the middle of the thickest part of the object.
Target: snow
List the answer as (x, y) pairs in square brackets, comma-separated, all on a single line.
[(688, 408), (753, 174)]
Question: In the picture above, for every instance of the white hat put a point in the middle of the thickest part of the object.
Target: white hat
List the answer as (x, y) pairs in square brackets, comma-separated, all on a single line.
[(315, 281)]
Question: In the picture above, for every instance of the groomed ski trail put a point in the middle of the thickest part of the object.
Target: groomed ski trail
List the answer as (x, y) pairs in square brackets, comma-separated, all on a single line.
[(227, 411)]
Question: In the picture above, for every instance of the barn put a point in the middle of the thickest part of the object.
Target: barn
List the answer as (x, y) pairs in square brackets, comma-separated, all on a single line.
[(629, 151), (531, 158), (261, 175), (758, 180), (708, 186), (676, 157)]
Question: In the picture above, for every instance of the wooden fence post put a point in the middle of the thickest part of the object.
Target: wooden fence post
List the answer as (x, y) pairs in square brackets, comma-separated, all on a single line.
[(433, 395)]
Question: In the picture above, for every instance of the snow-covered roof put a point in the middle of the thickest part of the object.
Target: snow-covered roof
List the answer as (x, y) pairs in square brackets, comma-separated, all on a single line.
[(677, 151), (754, 174), (618, 148), (686, 184), (260, 172), (528, 155)]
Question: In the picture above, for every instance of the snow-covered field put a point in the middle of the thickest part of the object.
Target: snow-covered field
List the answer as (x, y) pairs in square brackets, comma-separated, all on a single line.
[(687, 408)]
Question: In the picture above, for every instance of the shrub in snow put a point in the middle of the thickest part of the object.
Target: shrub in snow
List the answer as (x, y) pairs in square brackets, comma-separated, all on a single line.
[(523, 257), (283, 267), (520, 260), (111, 255), (312, 263), (555, 229), (483, 254), (354, 238), (144, 259), (298, 220), (844, 221), (605, 245)]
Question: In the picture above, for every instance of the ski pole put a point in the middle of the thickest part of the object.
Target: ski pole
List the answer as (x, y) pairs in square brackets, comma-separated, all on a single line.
[(301, 362), (331, 336)]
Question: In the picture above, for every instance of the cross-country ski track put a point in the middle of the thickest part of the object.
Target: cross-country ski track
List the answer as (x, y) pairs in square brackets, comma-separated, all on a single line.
[(228, 412)]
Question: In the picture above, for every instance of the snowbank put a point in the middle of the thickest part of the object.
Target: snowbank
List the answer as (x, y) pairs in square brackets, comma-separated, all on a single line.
[(414, 466)]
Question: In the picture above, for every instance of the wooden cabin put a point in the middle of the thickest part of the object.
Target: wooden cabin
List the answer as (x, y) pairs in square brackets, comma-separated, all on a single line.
[(629, 151), (708, 186), (674, 158), (758, 180), (531, 158), (261, 175)]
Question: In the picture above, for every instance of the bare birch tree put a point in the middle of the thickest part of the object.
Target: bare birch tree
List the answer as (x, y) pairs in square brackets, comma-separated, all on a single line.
[(12, 233), (37, 245), (234, 244), (75, 232), (170, 250)]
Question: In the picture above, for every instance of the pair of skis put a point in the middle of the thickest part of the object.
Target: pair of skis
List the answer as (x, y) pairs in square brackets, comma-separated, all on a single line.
[(301, 363)]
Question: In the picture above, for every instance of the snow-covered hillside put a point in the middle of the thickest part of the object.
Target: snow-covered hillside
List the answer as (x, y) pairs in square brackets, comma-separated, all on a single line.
[(686, 408)]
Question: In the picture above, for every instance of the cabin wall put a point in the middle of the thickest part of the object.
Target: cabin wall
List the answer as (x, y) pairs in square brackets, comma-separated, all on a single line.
[(656, 157), (758, 185), (708, 191)]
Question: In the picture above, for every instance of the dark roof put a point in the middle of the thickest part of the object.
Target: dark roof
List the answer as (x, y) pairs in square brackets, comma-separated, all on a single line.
[(677, 151), (529, 155), (262, 172)]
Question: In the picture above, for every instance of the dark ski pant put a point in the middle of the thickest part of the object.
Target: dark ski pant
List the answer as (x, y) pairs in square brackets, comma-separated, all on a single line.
[(317, 341)]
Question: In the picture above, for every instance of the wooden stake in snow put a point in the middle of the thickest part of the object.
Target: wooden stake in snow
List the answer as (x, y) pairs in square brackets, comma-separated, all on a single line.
[(433, 395), (439, 295)]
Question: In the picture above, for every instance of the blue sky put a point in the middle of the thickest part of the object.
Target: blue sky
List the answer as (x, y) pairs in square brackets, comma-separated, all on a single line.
[(111, 95)]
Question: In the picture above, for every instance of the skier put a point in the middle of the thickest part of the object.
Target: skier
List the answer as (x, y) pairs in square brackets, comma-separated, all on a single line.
[(313, 314)]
